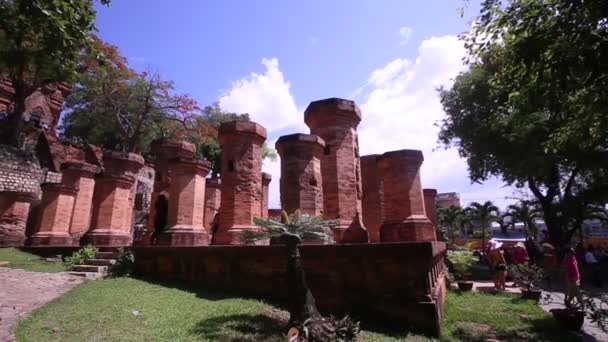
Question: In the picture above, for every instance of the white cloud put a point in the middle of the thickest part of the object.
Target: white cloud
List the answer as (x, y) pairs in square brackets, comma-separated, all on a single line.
[(266, 97), (401, 108), (405, 33)]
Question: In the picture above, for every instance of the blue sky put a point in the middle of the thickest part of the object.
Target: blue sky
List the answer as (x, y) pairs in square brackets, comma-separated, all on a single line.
[(271, 58)]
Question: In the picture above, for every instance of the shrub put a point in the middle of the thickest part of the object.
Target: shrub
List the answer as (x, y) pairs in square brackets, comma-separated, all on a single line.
[(124, 264), (527, 276), (461, 261), (80, 256)]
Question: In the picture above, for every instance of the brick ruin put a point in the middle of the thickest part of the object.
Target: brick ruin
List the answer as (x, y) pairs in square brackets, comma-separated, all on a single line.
[(63, 195), (74, 196)]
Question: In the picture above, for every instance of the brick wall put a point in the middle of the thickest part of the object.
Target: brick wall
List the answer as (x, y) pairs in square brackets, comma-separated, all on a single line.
[(400, 284), (19, 171)]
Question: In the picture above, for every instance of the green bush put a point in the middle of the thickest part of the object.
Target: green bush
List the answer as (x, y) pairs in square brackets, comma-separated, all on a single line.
[(124, 264), (461, 261), (80, 256)]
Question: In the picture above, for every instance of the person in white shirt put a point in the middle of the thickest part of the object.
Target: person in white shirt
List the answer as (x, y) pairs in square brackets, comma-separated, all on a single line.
[(594, 266)]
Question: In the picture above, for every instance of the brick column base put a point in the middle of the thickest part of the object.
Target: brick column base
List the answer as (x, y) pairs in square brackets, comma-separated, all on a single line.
[(414, 228)]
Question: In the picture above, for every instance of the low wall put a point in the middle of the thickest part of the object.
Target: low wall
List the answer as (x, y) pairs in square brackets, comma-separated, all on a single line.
[(400, 284)]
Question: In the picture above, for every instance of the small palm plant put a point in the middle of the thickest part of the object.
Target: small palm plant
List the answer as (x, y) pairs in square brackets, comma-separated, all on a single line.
[(291, 231)]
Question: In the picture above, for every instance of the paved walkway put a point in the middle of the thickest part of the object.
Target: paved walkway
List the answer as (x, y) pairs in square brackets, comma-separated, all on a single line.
[(23, 291)]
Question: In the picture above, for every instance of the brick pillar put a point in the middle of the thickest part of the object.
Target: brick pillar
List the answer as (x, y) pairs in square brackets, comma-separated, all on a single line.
[(301, 180), (56, 207), (212, 202), (187, 204), (373, 196), (14, 212), (430, 204), (405, 217), (335, 121), (241, 170), (163, 149), (80, 176), (266, 179), (113, 201)]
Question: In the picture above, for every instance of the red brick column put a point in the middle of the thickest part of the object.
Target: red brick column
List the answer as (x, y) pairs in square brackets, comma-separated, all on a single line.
[(373, 196), (405, 217), (241, 201), (430, 208), (301, 179), (187, 204), (113, 201), (53, 227), (335, 121), (212, 202), (164, 149), (80, 176), (266, 179), (14, 212)]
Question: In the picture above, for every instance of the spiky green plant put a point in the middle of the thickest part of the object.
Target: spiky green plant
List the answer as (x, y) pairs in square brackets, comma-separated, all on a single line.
[(297, 225), (290, 231)]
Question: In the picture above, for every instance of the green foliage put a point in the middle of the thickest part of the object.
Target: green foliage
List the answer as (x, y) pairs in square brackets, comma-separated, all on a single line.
[(461, 261), (41, 41), (526, 213), (125, 264), (483, 214), (304, 226), (451, 221), (532, 108), (78, 257), (528, 276)]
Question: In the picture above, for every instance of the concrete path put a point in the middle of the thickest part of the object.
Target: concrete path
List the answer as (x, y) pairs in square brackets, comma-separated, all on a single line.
[(23, 291)]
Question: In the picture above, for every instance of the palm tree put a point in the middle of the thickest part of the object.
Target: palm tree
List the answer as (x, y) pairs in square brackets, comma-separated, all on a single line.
[(483, 214), (291, 231), (527, 213), (504, 222), (451, 220)]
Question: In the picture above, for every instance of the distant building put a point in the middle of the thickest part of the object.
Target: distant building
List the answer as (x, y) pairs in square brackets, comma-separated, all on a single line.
[(448, 199)]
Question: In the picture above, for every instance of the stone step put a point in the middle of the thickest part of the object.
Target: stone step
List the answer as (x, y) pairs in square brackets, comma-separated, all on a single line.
[(106, 255), (100, 262), (88, 275), (90, 268)]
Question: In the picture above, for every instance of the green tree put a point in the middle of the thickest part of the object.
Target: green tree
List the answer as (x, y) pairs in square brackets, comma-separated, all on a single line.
[(291, 231), (527, 213), (504, 223), (483, 215), (451, 221), (40, 42), (532, 108)]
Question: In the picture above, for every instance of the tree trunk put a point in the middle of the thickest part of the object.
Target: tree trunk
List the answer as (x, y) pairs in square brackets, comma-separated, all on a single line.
[(301, 303), (13, 132)]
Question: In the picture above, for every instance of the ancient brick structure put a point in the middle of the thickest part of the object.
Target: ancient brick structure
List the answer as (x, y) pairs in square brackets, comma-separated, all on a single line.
[(241, 201), (113, 200), (335, 121), (80, 176), (56, 208), (14, 211), (398, 284), (186, 203), (301, 179), (373, 196), (266, 179), (430, 205), (405, 216), (213, 196)]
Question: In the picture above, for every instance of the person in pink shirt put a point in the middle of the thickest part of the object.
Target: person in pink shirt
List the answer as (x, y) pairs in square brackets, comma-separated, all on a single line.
[(572, 278), (520, 256)]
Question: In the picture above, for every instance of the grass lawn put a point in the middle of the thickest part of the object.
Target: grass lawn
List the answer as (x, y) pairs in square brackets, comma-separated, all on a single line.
[(27, 261), (103, 310)]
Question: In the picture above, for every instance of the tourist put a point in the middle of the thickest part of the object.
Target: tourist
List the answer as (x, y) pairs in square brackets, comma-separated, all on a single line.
[(572, 278), (594, 266), (497, 262), (520, 255)]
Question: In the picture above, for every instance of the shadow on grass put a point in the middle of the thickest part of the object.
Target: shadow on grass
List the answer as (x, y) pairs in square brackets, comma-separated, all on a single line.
[(241, 328), (541, 329)]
